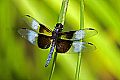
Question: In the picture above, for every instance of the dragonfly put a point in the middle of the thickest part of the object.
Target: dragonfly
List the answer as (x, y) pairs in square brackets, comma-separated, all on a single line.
[(43, 37)]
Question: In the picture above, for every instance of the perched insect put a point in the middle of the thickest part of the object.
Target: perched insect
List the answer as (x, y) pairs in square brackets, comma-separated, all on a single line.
[(40, 35)]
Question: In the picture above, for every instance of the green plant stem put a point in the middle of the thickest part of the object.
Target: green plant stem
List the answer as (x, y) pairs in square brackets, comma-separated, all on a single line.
[(53, 65), (81, 14), (79, 60), (61, 19)]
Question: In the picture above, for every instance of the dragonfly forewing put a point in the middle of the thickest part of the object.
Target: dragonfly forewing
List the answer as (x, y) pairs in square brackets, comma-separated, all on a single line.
[(79, 34), (36, 26)]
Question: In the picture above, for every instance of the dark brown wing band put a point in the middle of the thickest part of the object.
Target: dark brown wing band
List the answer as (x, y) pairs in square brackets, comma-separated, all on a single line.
[(63, 45), (67, 35), (44, 41), (44, 29)]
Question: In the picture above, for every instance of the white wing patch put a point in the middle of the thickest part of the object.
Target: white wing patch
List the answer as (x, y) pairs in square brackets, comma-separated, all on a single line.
[(78, 46), (35, 24), (32, 36), (79, 35)]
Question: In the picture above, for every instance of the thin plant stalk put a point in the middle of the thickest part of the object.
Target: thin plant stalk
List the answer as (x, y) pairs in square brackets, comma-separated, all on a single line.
[(53, 65), (61, 19), (79, 60)]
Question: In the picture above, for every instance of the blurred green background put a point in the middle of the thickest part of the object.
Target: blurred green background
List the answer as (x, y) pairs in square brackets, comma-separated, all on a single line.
[(19, 60)]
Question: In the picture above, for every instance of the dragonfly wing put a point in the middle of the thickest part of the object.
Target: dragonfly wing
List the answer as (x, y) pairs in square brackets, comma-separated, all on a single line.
[(66, 35), (74, 46), (42, 41), (79, 34), (30, 35), (83, 47), (89, 32), (63, 45), (36, 26)]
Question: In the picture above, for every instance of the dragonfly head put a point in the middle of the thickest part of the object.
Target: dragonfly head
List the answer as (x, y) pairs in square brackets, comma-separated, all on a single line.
[(59, 26)]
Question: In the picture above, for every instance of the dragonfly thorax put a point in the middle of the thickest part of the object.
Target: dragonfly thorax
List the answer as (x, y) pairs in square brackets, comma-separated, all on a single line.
[(54, 35), (58, 28)]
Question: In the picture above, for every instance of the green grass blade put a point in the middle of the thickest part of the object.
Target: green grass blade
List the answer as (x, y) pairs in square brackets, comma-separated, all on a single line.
[(81, 14), (79, 60), (63, 11), (61, 19), (53, 65)]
